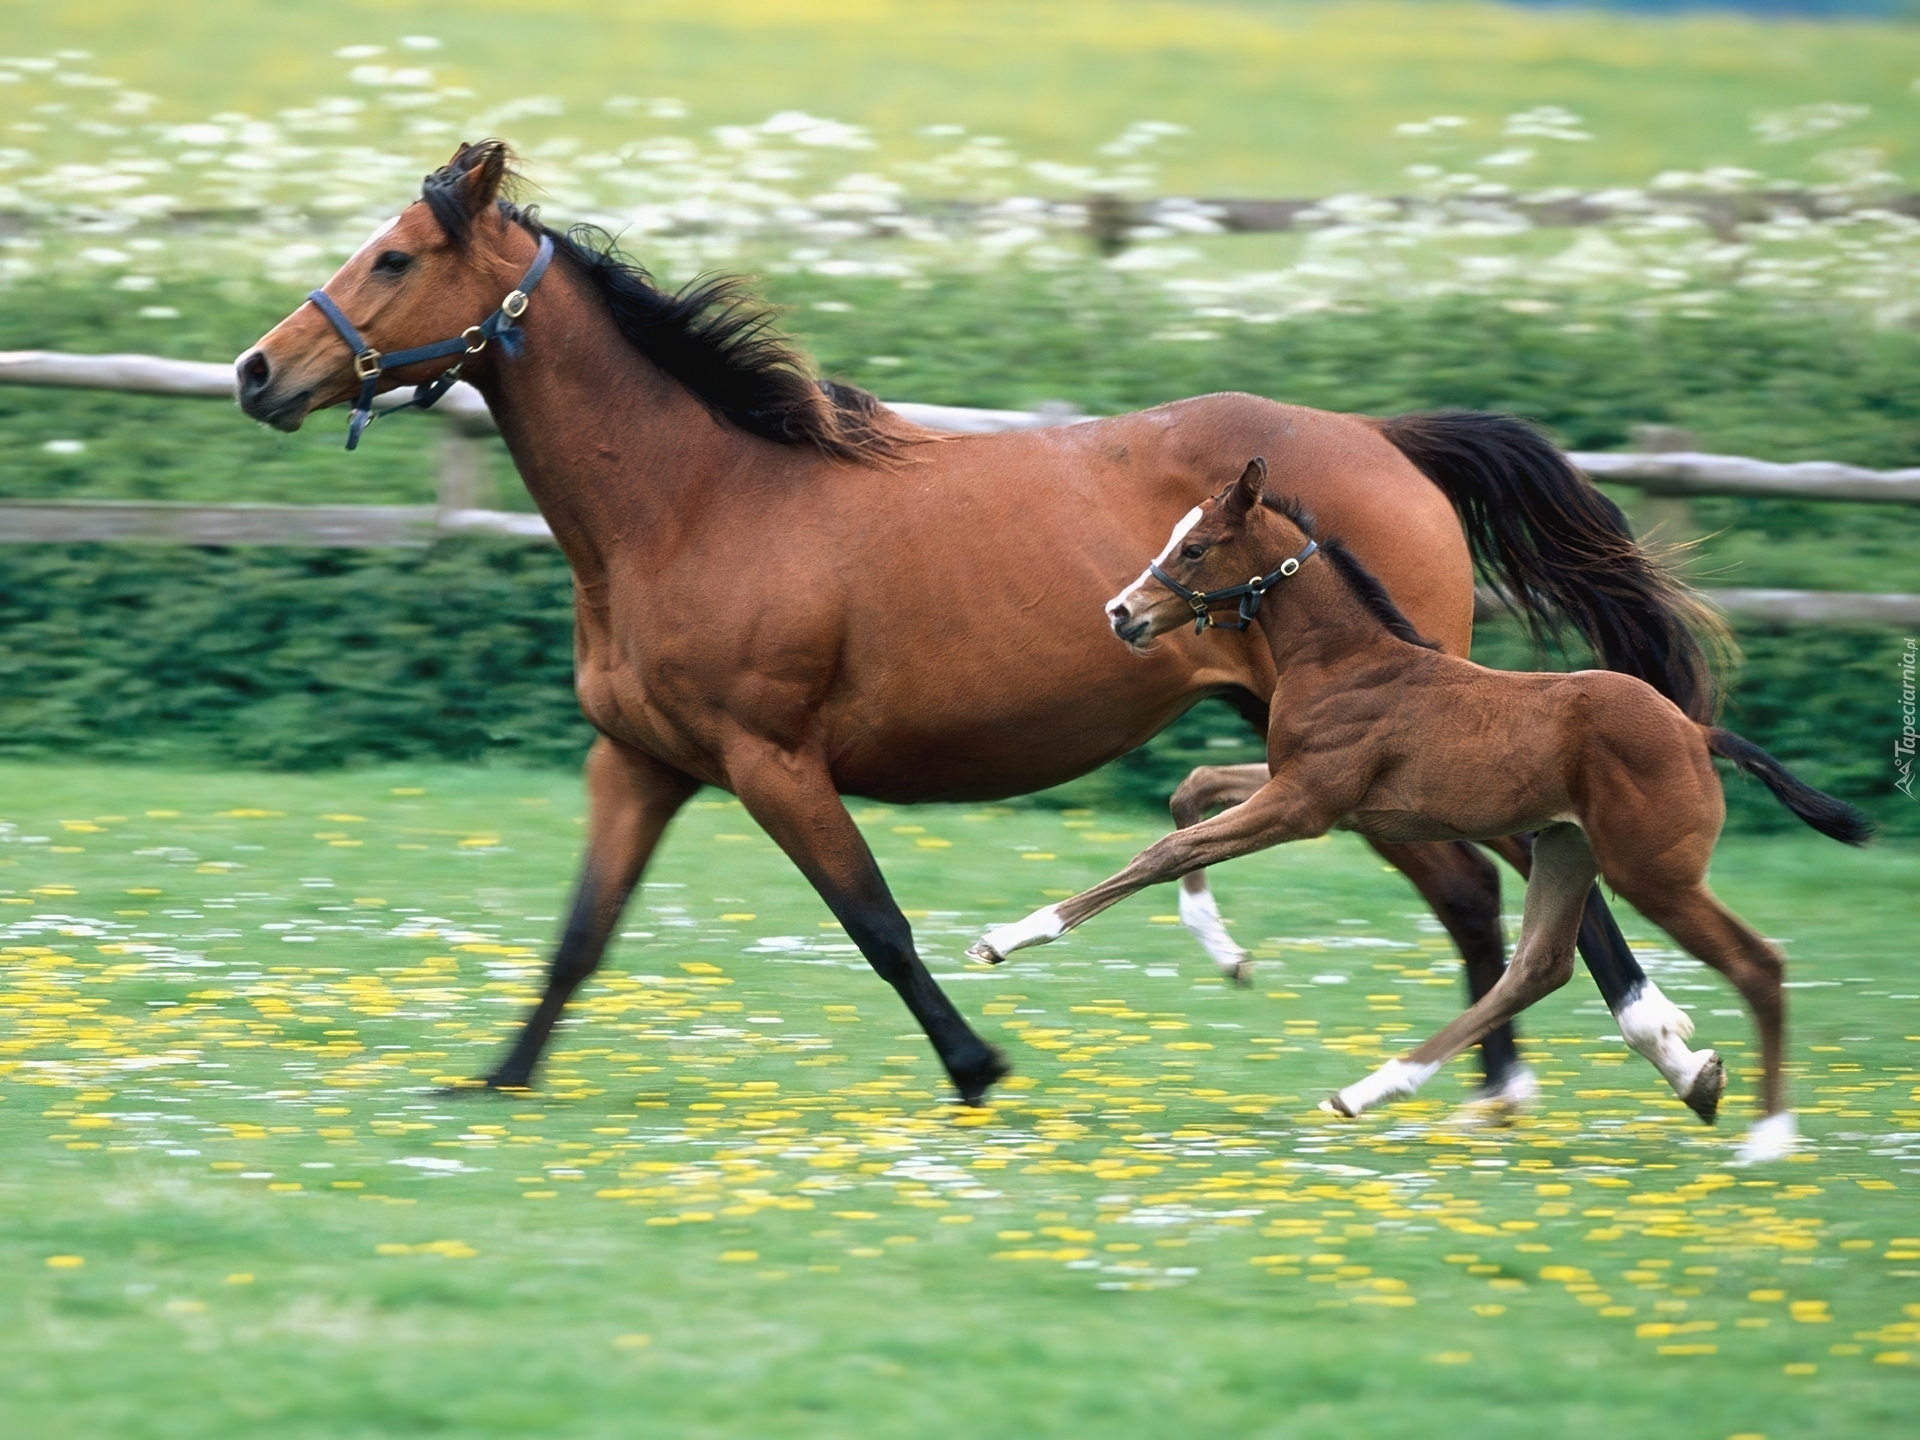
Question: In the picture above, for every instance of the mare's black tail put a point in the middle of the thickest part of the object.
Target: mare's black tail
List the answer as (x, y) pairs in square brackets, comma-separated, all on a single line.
[(1824, 813), (1560, 548)]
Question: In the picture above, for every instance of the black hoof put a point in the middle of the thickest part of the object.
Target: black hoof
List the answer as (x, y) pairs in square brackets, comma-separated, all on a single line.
[(974, 1080), (1703, 1097), (1241, 976)]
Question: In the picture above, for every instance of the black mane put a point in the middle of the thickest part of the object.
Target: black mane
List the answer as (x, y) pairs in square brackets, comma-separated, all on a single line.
[(711, 336), (1360, 580)]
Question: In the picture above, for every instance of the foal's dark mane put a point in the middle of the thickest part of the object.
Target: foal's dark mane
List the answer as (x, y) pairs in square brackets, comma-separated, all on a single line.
[(711, 336), (1359, 580)]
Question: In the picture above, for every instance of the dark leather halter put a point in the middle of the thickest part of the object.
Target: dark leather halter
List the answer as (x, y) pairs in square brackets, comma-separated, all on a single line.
[(368, 363), (1248, 594)]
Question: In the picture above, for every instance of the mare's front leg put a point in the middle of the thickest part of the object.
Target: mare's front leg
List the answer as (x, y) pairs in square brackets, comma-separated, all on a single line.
[(1283, 809), (793, 798), (1563, 871), (631, 797)]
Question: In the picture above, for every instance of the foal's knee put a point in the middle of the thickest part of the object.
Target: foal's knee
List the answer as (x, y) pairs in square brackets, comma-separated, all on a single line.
[(1206, 789), (1542, 971)]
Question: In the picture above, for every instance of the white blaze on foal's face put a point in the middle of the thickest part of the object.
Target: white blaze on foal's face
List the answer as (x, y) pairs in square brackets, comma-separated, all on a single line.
[(1131, 599)]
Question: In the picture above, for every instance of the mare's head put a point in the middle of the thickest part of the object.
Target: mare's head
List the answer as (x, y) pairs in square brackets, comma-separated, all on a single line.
[(441, 265), (1210, 548)]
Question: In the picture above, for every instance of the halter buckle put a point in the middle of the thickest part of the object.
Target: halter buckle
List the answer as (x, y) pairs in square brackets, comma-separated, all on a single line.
[(515, 305), (366, 365), (1289, 565), (476, 339)]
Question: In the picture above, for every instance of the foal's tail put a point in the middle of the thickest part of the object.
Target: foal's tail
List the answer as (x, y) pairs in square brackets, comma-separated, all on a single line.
[(1824, 813), (1561, 549)]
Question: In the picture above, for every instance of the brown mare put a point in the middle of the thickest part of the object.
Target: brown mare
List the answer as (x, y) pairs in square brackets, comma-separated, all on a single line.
[(769, 573), (1376, 731)]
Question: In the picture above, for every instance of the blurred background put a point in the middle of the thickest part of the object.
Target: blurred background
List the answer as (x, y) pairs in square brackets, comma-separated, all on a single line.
[(287, 829), (1647, 227)]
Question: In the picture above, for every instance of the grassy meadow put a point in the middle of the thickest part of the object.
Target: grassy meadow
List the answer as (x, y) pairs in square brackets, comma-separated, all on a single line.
[(236, 1200), (1280, 98)]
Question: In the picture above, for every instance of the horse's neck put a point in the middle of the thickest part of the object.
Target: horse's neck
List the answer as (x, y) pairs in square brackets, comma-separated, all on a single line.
[(607, 442)]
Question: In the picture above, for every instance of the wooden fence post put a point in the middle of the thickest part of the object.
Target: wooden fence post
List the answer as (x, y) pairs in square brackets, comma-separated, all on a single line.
[(463, 480), (1666, 519)]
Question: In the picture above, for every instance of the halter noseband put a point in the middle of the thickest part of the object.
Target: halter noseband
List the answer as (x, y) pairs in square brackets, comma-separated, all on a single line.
[(368, 363), (1248, 594)]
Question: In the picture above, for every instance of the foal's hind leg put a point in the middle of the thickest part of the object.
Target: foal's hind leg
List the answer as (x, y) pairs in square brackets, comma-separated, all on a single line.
[(1463, 887), (1455, 879), (1209, 789), (1563, 869), (1655, 1027), (1705, 928)]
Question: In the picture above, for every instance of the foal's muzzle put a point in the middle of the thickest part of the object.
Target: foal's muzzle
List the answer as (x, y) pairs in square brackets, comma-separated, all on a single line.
[(1130, 630)]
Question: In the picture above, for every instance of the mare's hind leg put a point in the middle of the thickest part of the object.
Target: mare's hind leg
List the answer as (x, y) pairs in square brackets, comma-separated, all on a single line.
[(1705, 928), (1209, 789), (1563, 870), (631, 797)]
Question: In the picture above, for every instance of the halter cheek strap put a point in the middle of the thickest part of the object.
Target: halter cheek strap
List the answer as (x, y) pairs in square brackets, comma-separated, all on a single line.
[(368, 363), (1248, 594)]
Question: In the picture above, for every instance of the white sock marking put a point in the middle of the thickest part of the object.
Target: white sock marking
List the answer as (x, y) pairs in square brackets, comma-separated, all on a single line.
[(1659, 1029), (1392, 1081), (1200, 913), (1772, 1137), (1037, 929)]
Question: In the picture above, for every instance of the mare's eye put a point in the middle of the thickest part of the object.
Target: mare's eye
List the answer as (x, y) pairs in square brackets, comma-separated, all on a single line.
[(1193, 552), (392, 262)]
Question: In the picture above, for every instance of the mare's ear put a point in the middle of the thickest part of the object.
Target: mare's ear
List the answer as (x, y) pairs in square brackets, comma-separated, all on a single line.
[(1245, 493), (479, 170)]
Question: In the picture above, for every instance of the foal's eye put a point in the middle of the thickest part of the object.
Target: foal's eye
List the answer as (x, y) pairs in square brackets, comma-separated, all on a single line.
[(1193, 552), (392, 262)]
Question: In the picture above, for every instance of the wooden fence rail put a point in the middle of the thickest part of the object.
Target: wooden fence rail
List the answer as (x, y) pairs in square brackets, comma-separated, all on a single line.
[(1665, 473), (1114, 221)]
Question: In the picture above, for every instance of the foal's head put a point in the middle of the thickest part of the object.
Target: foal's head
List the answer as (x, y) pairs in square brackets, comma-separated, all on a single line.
[(441, 265), (1240, 538), (1210, 548)]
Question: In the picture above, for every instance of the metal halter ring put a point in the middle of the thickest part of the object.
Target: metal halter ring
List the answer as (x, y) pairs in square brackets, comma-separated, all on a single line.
[(476, 339), (366, 365)]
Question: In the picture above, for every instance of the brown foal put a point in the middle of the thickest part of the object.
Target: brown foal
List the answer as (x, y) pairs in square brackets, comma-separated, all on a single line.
[(1376, 731), (765, 568)]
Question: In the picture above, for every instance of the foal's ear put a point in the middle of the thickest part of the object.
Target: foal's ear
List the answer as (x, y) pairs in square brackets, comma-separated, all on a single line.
[(1245, 493)]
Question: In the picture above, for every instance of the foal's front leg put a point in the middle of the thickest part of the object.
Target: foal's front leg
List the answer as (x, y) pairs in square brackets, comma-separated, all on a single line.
[(1281, 810), (1563, 870)]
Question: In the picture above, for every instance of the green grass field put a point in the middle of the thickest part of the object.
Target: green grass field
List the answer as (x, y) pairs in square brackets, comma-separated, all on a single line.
[(234, 1202), (1281, 98)]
